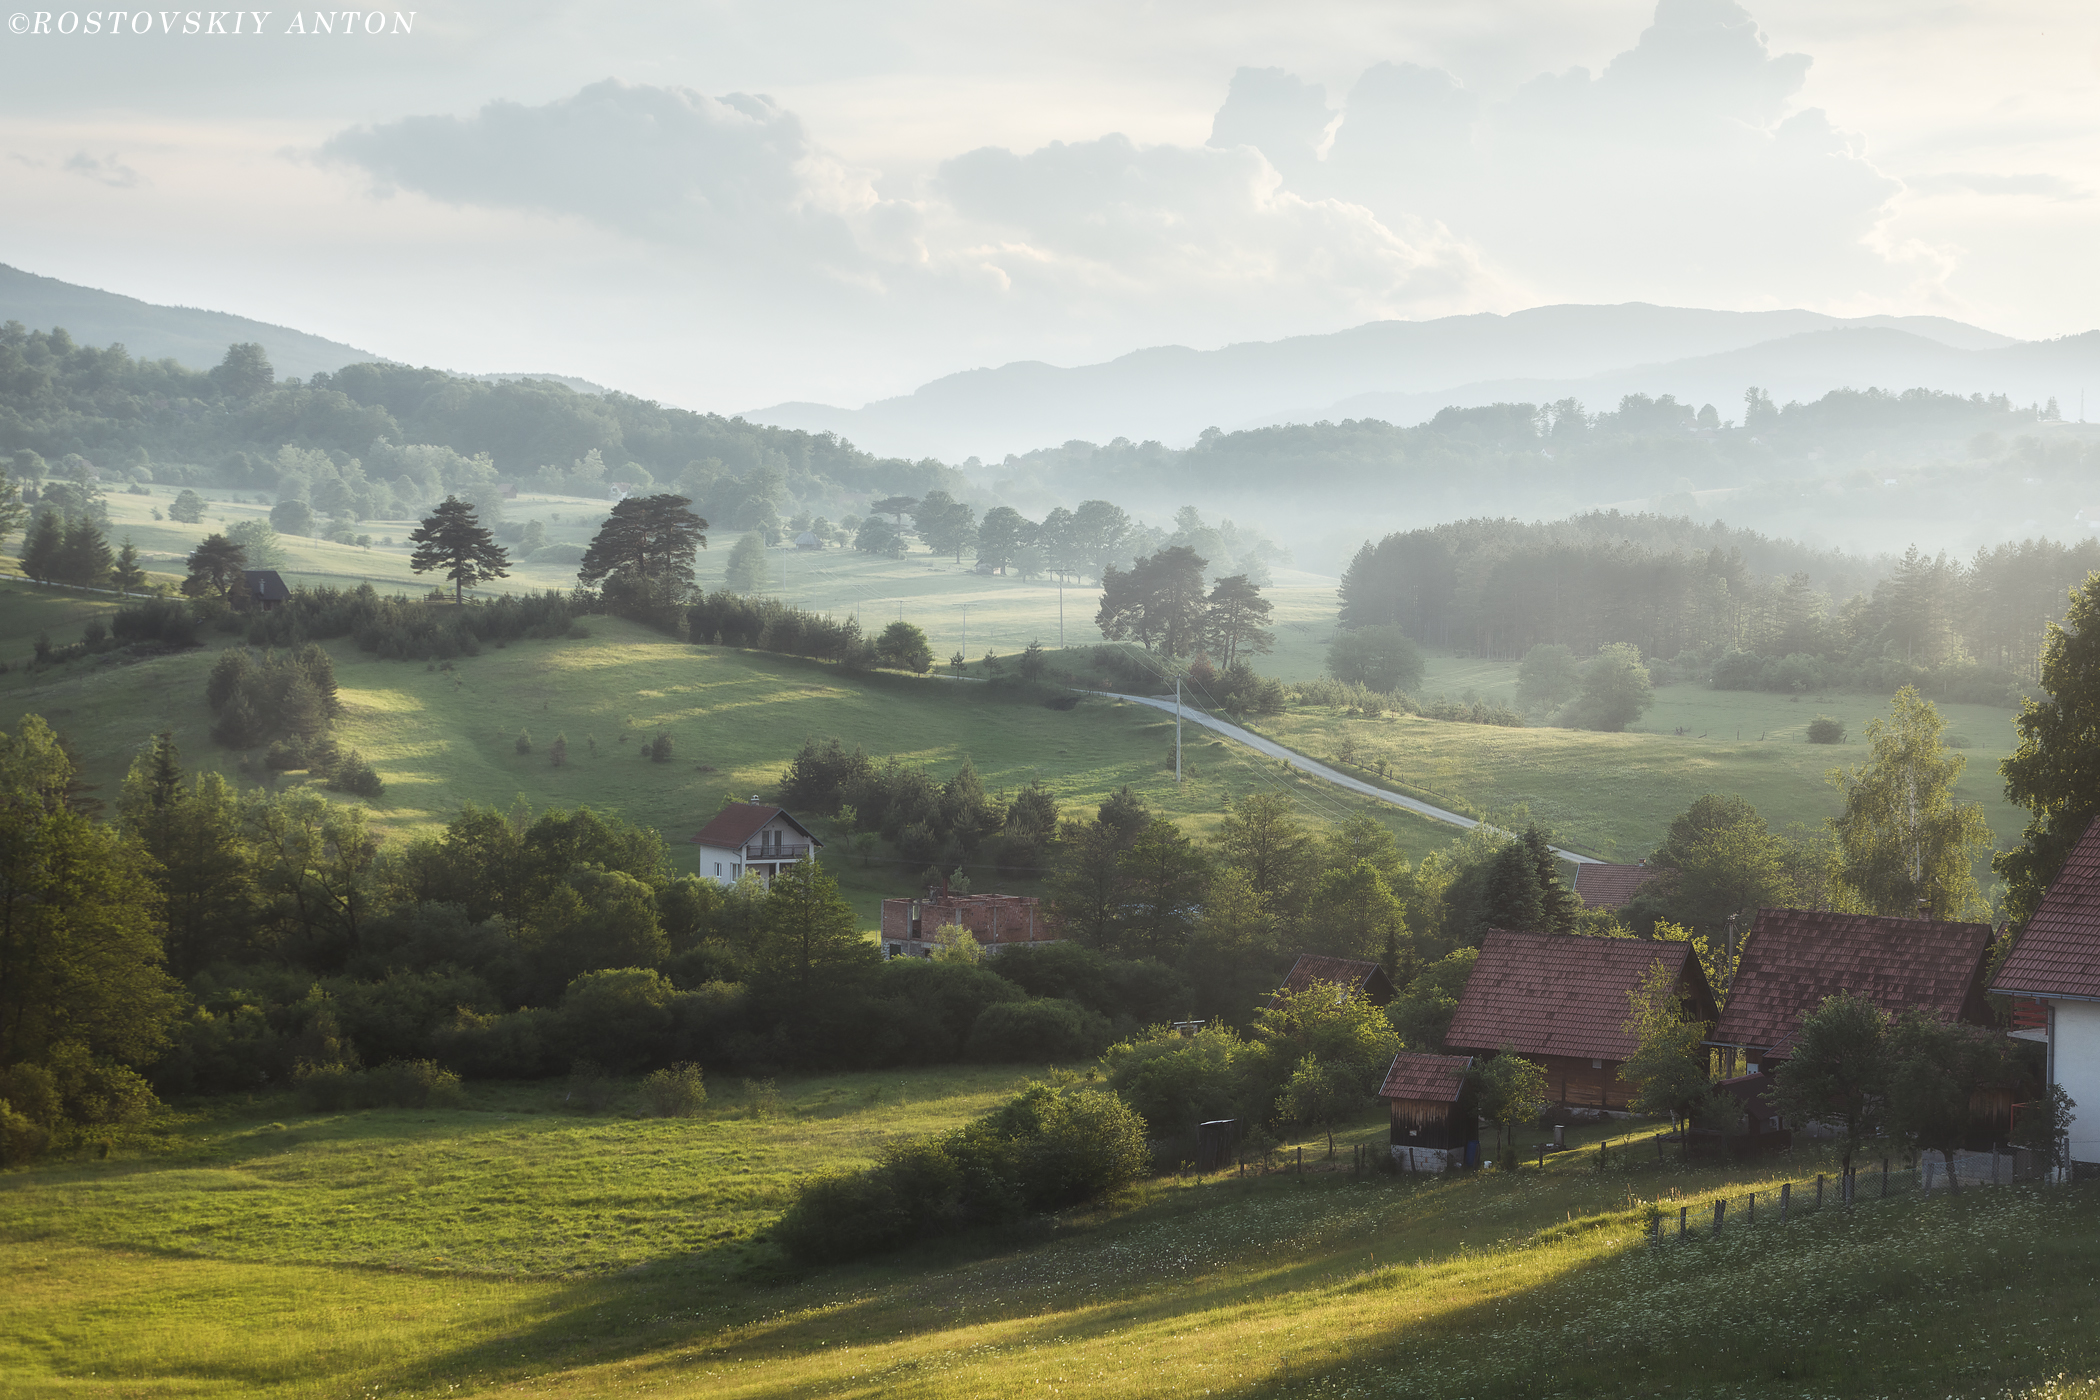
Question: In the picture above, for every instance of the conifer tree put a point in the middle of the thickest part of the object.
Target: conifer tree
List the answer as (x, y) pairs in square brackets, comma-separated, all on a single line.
[(453, 539), (42, 551), (128, 576)]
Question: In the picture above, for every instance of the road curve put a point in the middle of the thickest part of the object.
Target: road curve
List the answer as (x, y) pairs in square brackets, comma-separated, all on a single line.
[(1320, 770)]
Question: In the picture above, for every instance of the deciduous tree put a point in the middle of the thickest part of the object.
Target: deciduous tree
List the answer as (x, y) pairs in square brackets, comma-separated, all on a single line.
[(2055, 771), (1837, 1069), (1902, 837)]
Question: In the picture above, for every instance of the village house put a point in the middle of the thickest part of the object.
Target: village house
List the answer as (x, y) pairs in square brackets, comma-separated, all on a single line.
[(1794, 958), (911, 927), (754, 836), (266, 590), (1561, 999), (2057, 963), (1434, 1125), (1354, 975), (1606, 886)]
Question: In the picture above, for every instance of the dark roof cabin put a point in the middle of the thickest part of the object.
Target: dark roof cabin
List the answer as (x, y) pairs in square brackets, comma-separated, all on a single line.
[(1428, 1098), (1606, 886), (1561, 999), (1794, 958), (1352, 974), (266, 589)]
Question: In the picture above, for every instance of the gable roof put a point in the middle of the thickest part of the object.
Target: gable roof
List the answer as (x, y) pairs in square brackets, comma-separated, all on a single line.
[(266, 585), (735, 825), (1427, 1078), (1604, 886), (1561, 993), (2058, 953), (1357, 974), (1796, 957)]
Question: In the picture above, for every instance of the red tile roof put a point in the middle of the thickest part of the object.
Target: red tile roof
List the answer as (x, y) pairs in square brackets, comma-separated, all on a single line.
[(1356, 974), (734, 825), (1427, 1078), (1605, 886), (1796, 957), (1563, 994), (2058, 953)]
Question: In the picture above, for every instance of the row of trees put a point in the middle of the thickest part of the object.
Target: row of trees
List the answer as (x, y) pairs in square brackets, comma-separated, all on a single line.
[(1160, 602)]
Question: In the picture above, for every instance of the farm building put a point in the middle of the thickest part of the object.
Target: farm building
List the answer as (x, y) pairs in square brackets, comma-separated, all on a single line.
[(910, 927), (1606, 886), (1794, 958), (1353, 974), (1561, 999), (2057, 962), (752, 836), (266, 590), (1434, 1125)]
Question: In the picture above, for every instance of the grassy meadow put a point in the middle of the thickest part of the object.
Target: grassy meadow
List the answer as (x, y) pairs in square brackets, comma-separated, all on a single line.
[(509, 1245)]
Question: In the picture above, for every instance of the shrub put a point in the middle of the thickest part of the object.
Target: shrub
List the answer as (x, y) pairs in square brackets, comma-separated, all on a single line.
[(1035, 1031), (355, 776), (1825, 730), (590, 1089), (658, 749), (677, 1092), (399, 1084), (160, 620), (22, 1138)]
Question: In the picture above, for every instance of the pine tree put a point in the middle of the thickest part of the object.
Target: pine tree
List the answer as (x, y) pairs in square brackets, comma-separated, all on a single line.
[(84, 558), (42, 551), (559, 752), (217, 568), (12, 512), (524, 743), (1556, 900), (1510, 898), (644, 552), (128, 576), (451, 538)]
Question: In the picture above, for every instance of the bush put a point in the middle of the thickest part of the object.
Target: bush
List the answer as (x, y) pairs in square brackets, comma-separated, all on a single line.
[(400, 1084), (677, 1092), (1043, 1029), (1825, 730), (355, 776), (22, 1138), (161, 620)]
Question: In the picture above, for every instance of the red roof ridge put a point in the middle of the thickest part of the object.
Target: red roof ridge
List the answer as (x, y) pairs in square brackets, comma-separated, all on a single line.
[(2058, 951), (1560, 993)]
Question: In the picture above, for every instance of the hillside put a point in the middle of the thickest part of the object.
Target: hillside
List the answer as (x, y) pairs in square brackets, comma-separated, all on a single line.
[(195, 337), (507, 1245)]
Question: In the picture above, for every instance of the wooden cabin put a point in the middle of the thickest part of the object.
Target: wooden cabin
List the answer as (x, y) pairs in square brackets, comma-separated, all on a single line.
[(1434, 1125), (1355, 976), (1561, 999)]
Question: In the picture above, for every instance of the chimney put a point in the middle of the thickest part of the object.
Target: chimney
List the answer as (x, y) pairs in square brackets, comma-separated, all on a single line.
[(755, 800)]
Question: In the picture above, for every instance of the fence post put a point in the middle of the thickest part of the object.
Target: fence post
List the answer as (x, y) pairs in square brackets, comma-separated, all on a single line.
[(1819, 1190), (1753, 1208), (1720, 1211), (1681, 1212), (1542, 1160), (1301, 1161), (1884, 1178)]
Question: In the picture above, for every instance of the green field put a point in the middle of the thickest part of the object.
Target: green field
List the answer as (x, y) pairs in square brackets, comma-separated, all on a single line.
[(511, 1246)]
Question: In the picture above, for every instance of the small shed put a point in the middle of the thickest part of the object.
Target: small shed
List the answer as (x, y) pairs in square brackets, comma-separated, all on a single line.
[(1433, 1117), (266, 589), (1355, 976), (808, 540)]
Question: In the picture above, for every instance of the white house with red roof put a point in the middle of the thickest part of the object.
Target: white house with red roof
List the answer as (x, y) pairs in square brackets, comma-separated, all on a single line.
[(2057, 962), (754, 836)]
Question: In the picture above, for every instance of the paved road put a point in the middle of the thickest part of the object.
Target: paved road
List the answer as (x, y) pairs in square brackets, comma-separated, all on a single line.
[(1320, 770)]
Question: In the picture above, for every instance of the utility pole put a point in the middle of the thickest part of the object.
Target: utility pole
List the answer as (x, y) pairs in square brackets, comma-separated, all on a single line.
[(1177, 729), (1060, 612), (966, 634)]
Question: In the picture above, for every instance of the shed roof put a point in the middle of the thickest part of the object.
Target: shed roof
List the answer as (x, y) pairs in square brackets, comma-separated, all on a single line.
[(1796, 957), (1561, 994), (266, 585), (2058, 953), (736, 824), (1605, 886), (1357, 974), (1426, 1078)]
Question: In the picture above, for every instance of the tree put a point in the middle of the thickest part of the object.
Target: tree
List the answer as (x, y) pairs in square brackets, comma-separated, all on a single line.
[(1158, 602), (897, 507), (216, 570), (1510, 896), (644, 551), (1235, 619), (1548, 677), (1262, 837), (128, 576), (259, 543), (946, 524), (808, 933), (314, 873), (13, 514), (187, 507), (1162, 876), (2055, 771), (1509, 1090), (1557, 903), (1382, 658), (903, 646), (84, 557), (294, 517), (192, 830), (1616, 691), (1353, 912), (1902, 838), (1718, 858), (451, 538), (1001, 535), (1098, 533), (43, 551), (747, 565), (1668, 1068), (877, 536), (1837, 1069), (1423, 1010), (1935, 1068), (1337, 1045), (245, 372)]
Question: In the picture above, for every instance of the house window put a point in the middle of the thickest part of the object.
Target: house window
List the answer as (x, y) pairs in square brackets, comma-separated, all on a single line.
[(1596, 1064), (735, 870), (718, 870)]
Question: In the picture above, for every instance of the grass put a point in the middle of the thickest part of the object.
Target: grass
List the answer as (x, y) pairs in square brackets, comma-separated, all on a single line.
[(501, 1248)]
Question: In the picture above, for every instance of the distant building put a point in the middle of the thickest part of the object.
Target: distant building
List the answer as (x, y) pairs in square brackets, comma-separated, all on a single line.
[(911, 927), (266, 590), (1604, 886), (1434, 1125), (2057, 963), (1355, 975), (808, 540), (753, 836), (1561, 999)]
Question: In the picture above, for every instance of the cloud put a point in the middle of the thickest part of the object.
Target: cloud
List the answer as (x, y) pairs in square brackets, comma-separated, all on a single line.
[(104, 170), (1968, 182)]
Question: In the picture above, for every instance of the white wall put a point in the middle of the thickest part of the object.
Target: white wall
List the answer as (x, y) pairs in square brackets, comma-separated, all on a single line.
[(2075, 1050)]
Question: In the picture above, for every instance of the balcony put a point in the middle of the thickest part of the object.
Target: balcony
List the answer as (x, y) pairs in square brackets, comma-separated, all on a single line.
[(772, 853)]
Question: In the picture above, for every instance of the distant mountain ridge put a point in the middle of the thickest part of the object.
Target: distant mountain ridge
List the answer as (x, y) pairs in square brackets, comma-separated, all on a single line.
[(1172, 393)]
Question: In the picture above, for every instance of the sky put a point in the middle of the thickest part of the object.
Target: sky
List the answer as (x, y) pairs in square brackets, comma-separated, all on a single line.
[(725, 204)]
